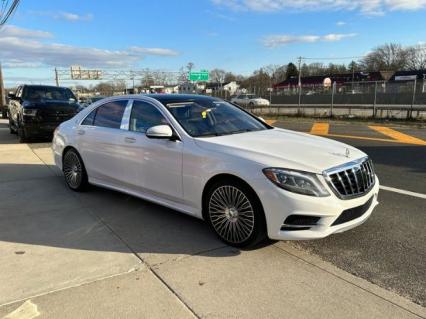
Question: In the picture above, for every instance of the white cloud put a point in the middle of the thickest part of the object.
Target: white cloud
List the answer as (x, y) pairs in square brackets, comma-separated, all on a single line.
[(62, 15), (73, 17), (13, 31), (154, 51), (369, 7), (279, 40), (25, 48), (340, 23)]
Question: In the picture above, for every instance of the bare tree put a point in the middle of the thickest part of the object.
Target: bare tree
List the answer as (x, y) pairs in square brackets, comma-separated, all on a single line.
[(183, 75), (276, 73), (217, 75), (416, 57), (388, 57), (190, 66)]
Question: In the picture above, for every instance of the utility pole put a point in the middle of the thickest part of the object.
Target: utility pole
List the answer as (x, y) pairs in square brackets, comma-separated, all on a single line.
[(299, 83), (56, 77), (2, 95)]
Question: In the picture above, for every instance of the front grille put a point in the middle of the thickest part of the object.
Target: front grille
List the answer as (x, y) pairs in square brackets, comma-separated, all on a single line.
[(353, 213), (352, 179)]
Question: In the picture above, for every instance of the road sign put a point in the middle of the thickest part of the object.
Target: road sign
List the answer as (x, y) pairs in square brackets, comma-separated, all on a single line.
[(202, 75)]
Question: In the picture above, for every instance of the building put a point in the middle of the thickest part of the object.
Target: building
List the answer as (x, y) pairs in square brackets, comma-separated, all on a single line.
[(230, 87), (324, 81), (189, 87)]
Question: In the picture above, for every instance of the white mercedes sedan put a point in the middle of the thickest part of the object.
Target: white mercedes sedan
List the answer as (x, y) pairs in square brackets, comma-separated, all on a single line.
[(210, 159)]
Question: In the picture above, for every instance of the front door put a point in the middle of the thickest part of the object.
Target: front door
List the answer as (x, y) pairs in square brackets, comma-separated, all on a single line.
[(154, 165)]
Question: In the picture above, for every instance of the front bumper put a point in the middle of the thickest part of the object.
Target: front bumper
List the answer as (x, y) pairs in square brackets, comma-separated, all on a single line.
[(278, 204), (44, 129)]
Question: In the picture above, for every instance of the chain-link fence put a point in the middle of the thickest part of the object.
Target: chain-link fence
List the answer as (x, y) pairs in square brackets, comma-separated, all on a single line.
[(404, 99)]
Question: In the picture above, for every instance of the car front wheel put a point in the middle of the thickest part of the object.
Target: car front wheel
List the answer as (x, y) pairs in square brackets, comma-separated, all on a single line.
[(22, 134), (12, 129), (235, 214), (74, 171)]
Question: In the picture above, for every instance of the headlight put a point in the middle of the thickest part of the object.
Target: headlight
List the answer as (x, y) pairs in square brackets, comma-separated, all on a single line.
[(30, 112), (296, 182)]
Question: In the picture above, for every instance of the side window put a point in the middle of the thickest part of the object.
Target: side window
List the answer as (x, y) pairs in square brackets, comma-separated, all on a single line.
[(19, 92), (89, 118), (144, 115), (110, 114)]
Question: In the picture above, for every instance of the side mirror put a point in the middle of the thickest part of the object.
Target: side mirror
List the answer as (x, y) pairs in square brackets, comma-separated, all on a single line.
[(160, 131), (262, 119), (11, 96)]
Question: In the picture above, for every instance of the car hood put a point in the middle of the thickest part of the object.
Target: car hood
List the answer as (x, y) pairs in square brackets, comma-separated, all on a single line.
[(283, 148)]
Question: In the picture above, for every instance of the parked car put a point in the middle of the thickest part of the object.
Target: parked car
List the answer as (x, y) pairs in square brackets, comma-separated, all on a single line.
[(249, 100), (91, 99), (36, 110), (213, 160)]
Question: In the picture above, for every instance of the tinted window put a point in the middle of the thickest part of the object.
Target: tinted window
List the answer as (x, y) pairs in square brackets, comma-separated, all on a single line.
[(37, 93), (110, 114), (19, 92), (144, 116)]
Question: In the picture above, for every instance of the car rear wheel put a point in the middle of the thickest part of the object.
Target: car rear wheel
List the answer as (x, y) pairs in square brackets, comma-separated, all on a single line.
[(74, 171), (235, 214)]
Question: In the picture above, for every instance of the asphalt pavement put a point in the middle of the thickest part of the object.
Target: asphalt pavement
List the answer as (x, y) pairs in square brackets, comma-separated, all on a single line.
[(103, 254), (389, 249)]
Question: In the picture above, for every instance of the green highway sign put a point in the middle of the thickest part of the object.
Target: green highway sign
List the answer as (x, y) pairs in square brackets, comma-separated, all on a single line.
[(202, 75)]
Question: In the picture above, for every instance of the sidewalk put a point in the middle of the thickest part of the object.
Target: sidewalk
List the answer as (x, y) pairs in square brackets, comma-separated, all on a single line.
[(107, 255)]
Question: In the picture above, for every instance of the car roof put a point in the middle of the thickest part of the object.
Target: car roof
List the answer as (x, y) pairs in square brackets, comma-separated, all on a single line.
[(176, 98), (46, 86)]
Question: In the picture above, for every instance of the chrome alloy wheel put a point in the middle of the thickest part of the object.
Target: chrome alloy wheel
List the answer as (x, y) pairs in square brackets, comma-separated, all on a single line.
[(231, 214), (73, 169)]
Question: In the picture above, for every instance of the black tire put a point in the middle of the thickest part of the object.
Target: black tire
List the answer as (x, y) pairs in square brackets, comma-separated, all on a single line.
[(74, 171), (226, 203), (4, 114), (22, 135), (12, 129)]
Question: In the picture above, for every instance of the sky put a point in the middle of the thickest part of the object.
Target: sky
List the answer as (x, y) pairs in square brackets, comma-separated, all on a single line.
[(235, 35)]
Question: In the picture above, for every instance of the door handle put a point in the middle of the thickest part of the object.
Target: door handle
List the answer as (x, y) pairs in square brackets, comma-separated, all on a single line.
[(81, 132), (129, 139)]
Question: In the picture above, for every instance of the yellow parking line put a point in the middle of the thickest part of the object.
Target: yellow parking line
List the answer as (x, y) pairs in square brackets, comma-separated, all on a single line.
[(398, 136), (320, 128)]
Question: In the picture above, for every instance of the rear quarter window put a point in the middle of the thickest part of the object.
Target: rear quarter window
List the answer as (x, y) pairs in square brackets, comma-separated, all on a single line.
[(107, 115)]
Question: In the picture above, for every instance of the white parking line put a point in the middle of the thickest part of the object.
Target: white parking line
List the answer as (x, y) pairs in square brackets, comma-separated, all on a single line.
[(401, 191)]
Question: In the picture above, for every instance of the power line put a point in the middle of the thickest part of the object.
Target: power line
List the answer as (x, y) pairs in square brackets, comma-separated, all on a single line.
[(7, 10)]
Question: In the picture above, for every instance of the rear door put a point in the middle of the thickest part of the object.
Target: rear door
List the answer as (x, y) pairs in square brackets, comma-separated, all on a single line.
[(98, 139)]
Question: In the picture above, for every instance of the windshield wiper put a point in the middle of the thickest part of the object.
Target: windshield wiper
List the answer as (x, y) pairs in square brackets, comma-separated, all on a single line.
[(241, 131)]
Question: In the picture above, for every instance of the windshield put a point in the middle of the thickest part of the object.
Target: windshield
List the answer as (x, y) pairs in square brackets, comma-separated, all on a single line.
[(213, 118), (37, 93)]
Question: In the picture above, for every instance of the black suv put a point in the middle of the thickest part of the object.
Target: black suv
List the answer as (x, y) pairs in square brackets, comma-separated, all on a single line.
[(36, 110)]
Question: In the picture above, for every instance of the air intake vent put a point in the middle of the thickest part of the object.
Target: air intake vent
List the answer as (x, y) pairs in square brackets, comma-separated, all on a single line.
[(353, 213)]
